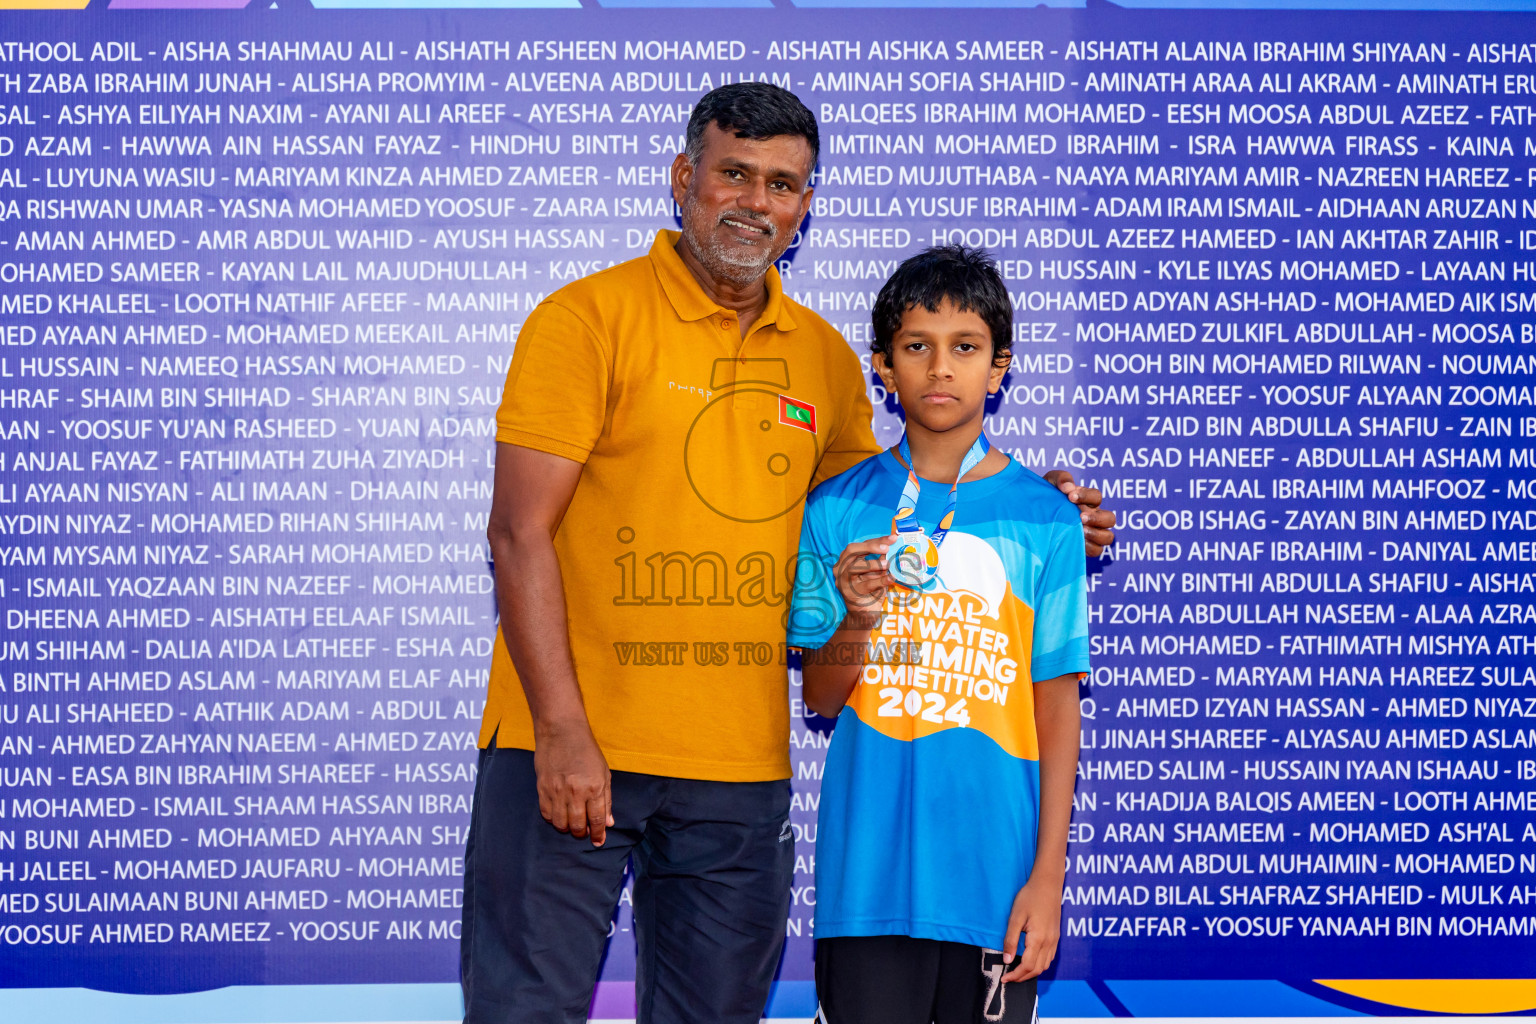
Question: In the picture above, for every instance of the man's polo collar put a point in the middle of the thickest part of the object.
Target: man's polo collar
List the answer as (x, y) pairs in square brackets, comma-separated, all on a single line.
[(688, 298)]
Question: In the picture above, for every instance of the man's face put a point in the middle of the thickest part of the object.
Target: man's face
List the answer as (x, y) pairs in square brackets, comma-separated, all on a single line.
[(743, 202)]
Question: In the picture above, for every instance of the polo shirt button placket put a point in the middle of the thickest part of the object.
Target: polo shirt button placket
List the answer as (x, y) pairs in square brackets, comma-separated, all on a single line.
[(728, 325)]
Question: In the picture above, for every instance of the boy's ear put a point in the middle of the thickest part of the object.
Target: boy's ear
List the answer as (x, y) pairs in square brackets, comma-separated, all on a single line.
[(883, 368), (1000, 364)]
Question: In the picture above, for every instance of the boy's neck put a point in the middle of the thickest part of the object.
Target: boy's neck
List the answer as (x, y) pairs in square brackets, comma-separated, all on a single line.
[(937, 455)]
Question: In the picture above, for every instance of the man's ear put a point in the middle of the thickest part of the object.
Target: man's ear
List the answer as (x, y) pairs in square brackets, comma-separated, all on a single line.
[(682, 176), (810, 190), (883, 368)]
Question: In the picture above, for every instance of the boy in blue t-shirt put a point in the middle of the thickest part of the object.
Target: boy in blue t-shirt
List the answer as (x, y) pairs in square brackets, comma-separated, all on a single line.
[(940, 603)]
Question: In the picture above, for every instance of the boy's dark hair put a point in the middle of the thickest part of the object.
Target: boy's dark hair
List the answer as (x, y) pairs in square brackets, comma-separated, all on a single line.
[(753, 110), (966, 276)]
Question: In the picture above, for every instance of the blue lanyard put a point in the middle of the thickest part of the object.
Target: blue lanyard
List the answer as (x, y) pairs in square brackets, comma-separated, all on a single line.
[(905, 520)]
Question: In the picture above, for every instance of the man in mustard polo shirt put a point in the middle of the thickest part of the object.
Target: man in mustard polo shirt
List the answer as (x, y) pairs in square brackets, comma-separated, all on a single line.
[(661, 425)]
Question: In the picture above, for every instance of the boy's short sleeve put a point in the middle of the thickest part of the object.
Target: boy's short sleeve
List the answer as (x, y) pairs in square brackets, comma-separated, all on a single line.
[(556, 396), (816, 607), (1060, 643)]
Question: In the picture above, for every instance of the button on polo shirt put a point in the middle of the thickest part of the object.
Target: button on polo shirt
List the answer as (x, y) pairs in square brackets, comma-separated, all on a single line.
[(676, 552)]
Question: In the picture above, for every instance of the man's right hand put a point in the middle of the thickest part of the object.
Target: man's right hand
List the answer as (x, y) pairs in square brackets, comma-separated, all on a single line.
[(1098, 523), (574, 783)]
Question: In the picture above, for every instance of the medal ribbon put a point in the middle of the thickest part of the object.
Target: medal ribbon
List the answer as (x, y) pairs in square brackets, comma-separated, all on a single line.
[(905, 520)]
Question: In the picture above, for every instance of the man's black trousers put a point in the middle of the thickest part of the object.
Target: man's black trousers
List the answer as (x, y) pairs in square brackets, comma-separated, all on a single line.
[(713, 862)]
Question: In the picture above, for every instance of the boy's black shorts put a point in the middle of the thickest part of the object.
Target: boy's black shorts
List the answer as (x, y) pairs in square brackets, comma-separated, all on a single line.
[(894, 979)]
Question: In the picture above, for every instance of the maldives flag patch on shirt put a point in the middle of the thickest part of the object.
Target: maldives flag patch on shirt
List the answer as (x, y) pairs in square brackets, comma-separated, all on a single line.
[(797, 414)]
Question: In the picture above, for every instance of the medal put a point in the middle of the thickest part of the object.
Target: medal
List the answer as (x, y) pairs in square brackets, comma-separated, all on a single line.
[(913, 558)]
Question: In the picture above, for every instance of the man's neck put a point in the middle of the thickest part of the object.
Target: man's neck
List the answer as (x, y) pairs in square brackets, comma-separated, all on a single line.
[(938, 455), (747, 300)]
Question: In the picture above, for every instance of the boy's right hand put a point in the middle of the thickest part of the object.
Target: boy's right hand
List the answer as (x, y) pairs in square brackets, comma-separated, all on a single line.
[(863, 578)]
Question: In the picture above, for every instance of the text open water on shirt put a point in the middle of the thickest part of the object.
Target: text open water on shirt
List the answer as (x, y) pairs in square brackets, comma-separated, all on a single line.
[(752, 449)]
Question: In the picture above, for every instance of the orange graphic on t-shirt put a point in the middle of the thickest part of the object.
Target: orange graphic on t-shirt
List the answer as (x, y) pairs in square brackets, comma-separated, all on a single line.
[(950, 660)]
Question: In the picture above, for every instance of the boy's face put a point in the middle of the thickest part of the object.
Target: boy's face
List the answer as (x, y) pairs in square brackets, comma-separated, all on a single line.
[(941, 366)]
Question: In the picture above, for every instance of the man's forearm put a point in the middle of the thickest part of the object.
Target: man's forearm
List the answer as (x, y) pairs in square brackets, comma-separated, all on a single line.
[(1057, 724), (531, 593)]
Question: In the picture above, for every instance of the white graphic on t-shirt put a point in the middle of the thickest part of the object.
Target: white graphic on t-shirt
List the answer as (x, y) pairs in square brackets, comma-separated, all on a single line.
[(968, 563)]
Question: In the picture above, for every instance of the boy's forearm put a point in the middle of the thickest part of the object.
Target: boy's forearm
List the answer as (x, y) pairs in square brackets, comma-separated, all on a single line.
[(830, 672), (1057, 725)]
